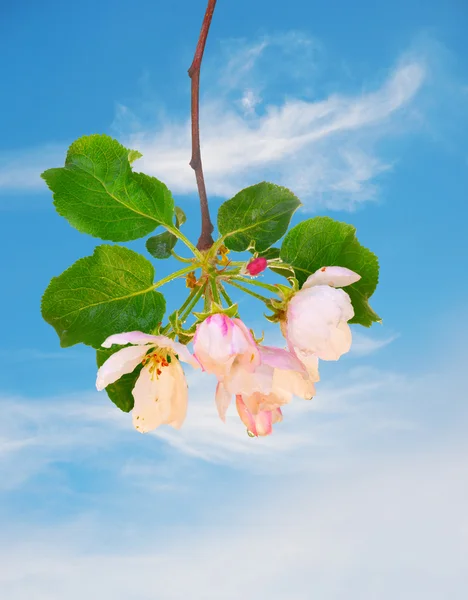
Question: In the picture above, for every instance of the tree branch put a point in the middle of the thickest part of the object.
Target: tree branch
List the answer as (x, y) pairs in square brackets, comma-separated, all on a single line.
[(205, 241)]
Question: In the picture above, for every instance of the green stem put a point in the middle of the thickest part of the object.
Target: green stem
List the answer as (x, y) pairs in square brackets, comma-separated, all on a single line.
[(181, 258), (208, 299), (247, 291), (186, 241), (175, 275), (186, 308), (214, 290), (265, 286), (238, 262), (188, 300), (225, 295), (165, 330), (189, 306)]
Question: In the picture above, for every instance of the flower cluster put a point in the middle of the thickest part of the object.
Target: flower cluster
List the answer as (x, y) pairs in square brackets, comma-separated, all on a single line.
[(262, 379)]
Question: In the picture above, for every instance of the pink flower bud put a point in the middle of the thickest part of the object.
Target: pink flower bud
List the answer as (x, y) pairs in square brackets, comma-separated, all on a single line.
[(260, 422), (257, 265), (219, 341), (261, 393)]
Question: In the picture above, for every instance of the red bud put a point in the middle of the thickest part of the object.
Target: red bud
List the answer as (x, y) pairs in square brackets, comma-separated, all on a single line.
[(257, 265)]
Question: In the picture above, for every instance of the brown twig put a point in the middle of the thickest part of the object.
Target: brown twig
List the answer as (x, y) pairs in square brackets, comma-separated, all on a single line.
[(205, 241)]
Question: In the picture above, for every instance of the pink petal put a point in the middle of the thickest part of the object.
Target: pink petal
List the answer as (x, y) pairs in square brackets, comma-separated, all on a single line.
[(334, 276), (271, 401), (223, 399), (124, 361), (277, 415), (259, 422), (264, 423), (280, 359), (246, 416), (212, 342), (246, 331)]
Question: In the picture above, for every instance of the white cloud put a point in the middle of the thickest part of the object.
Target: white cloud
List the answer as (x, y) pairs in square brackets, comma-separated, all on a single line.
[(392, 527), (249, 101), (353, 404), (258, 122), (359, 494), (35, 434), (364, 344), (21, 170), (320, 149)]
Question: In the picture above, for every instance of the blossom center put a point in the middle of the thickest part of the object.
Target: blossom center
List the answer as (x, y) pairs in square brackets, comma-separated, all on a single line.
[(157, 360)]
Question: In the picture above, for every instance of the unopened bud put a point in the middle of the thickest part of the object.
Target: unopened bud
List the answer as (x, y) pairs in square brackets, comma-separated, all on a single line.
[(257, 265)]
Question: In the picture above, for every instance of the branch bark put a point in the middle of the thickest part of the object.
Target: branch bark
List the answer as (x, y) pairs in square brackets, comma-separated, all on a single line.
[(206, 240)]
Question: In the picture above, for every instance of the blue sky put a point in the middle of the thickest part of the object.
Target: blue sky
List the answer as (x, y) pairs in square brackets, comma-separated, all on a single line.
[(361, 494)]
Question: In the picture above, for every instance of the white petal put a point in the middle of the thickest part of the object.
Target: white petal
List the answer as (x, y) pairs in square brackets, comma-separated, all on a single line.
[(122, 362), (179, 399), (310, 361), (137, 338), (161, 341), (339, 342), (160, 400), (245, 381), (292, 383), (183, 353), (314, 322), (334, 276)]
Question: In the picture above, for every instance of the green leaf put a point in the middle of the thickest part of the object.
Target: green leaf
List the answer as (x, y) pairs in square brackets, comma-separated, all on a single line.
[(160, 246), (97, 192), (283, 270), (322, 241), (119, 392), (106, 293), (257, 216), (180, 217), (270, 253), (134, 155)]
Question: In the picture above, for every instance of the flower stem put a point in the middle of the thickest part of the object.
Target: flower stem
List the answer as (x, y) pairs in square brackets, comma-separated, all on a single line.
[(188, 300), (214, 290), (208, 299), (175, 275), (225, 295), (265, 286), (186, 308), (181, 258), (190, 303), (247, 291), (206, 240), (185, 240)]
